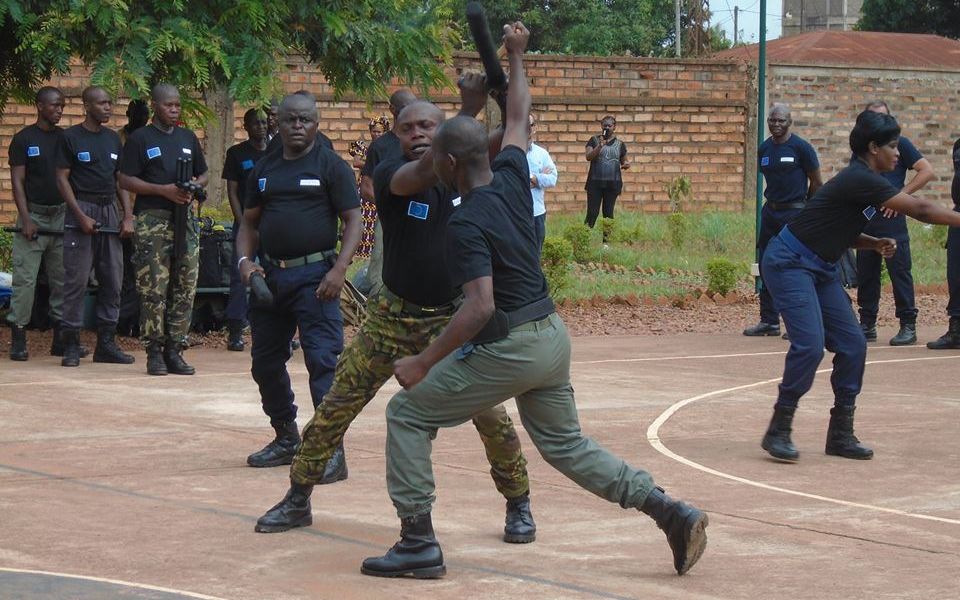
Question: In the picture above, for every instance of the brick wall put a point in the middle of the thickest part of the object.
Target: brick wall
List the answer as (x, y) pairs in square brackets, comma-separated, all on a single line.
[(826, 100), (677, 117)]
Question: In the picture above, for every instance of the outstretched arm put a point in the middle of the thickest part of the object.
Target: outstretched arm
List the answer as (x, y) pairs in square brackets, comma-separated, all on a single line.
[(515, 38)]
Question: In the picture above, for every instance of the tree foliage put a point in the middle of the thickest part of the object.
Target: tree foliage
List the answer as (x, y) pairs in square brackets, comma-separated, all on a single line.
[(241, 44), (941, 17)]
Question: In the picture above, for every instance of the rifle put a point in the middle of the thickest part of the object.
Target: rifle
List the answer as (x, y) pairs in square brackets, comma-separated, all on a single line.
[(100, 229), (182, 211)]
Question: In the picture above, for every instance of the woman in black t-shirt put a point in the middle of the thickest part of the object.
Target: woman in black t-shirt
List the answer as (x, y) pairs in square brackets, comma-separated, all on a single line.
[(800, 271)]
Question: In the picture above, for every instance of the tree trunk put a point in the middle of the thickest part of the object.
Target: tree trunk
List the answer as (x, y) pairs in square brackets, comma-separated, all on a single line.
[(219, 137)]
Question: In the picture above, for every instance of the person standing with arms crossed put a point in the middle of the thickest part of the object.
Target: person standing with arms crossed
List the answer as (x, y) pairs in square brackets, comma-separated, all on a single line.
[(792, 172), (543, 175), (607, 155), (899, 266), (87, 180), (951, 339), (166, 271), (504, 341)]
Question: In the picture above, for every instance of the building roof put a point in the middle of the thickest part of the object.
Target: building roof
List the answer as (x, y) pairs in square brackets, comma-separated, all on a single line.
[(856, 48)]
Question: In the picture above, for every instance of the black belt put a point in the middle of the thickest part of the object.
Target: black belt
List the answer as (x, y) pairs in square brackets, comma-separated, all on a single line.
[(500, 324), (416, 310), (99, 199), (299, 261), (785, 205)]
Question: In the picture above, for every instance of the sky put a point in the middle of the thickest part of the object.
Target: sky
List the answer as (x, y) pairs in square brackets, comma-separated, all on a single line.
[(749, 18)]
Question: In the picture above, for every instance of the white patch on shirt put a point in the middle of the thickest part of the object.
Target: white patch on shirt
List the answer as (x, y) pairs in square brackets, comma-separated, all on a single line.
[(787, 159), (113, 156), (309, 183), (456, 201), (187, 150)]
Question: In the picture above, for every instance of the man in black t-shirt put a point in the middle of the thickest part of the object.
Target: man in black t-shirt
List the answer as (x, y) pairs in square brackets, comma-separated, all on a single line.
[(608, 157), (294, 199), (237, 165), (413, 306), (32, 158), (87, 180), (384, 148), (166, 248), (504, 341)]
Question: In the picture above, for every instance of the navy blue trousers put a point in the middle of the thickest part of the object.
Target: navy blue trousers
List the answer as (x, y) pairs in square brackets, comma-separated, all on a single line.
[(868, 283), (953, 270), (817, 313), (771, 222), (272, 329), (540, 226)]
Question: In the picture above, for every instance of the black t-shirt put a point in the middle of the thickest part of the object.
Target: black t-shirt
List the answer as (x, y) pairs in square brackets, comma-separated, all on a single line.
[(414, 238), (605, 169), (93, 159), (301, 200), (785, 168), (384, 148), (955, 189), (493, 234), (238, 164), (37, 150), (151, 155), (276, 143), (841, 209)]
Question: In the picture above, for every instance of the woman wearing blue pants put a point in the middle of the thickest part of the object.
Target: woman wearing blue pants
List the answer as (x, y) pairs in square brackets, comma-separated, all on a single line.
[(799, 269)]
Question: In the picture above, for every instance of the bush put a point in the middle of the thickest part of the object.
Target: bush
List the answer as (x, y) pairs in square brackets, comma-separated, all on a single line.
[(721, 275), (555, 260), (6, 251), (608, 228), (579, 237), (678, 225)]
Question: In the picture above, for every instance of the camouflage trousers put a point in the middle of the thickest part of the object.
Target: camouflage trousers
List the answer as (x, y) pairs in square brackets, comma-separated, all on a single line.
[(166, 285), (387, 334)]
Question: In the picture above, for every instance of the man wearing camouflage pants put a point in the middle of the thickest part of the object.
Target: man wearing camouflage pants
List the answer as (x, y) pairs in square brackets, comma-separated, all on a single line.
[(166, 271), (414, 306)]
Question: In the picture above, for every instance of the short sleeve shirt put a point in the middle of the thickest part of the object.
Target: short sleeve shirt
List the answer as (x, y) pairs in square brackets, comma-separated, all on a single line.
[(152, 155), (493, 234), (384, 148), (93, 159), (414, 238), (896, 227), (238, 163), (841, 209), (605, 169), (785, 167), (301, 200), (36, 150)]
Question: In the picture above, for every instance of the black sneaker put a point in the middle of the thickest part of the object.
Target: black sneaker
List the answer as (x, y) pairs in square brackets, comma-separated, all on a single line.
[(762, 329)]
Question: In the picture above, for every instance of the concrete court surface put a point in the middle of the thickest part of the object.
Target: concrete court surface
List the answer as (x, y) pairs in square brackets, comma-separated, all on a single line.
[(114, 484)]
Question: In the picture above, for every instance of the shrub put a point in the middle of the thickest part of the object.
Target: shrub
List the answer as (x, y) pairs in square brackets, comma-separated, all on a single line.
[(6, 251), (555, 260), (678, 225), (678, 190), (579, 237), (608, 228), (721, 276)]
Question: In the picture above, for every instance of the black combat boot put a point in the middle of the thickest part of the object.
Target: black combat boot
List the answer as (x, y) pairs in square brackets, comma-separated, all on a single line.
[(292, 511), (762, 329), (519, 527), (777, 439), (840, 438), (107, 350), (950, 340), (156, 365), (281, 450), (869, 331), (684, 525), (56, 344), (235, 335), (71, 347), (907, 336), (336, 469), (18, 343), (173, 357), (417, 554)]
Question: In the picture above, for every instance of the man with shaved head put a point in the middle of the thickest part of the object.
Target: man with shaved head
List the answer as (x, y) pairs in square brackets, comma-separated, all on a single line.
[(792, 171), (87, 179), (293, 201), (275, 143), (32, 157), (166, 271), (413, 306), (504, 341)]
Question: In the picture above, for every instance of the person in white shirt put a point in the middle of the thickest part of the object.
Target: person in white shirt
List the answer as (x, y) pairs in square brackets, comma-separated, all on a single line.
[(543, 175)]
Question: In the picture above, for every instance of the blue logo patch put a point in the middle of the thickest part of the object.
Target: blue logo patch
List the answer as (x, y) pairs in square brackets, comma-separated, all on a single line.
[(153, 152), (765, 161), (869, 212), (83, 156), (418, 210), (33, 150), (247, 164), (262, 184)]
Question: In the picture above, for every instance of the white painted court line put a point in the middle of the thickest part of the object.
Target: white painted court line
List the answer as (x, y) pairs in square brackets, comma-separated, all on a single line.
[(143, 586), (700, 356), (653, 437)]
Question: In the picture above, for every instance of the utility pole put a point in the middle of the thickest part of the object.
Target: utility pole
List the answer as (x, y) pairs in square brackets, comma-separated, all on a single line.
[(676, 5), (736, 31)]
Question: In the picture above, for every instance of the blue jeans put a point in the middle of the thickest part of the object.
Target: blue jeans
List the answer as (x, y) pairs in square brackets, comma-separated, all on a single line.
[(817, 312), (540, 226), (272, 329)]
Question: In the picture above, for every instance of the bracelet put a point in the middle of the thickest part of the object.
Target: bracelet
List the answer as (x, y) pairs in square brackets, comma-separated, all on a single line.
[(240, 262)]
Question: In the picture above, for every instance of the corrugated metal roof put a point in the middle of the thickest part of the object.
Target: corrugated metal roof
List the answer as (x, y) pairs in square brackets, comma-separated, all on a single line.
[(856, 48)]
